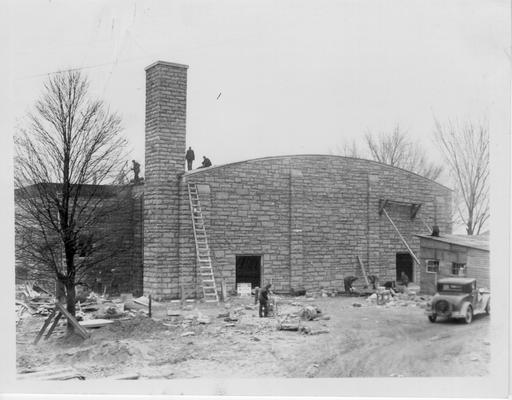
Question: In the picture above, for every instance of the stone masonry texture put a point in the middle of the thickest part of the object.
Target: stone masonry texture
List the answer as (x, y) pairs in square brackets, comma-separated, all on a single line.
[(166, 88), (309, 217)]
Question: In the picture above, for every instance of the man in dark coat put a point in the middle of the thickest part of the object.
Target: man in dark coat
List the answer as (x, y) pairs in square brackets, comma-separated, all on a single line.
[(189, 157), (206, 162), (404, 278), (348, 281), (263, 297)]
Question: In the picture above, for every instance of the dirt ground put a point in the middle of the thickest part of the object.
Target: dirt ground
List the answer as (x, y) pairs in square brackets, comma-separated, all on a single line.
[(366, 340)]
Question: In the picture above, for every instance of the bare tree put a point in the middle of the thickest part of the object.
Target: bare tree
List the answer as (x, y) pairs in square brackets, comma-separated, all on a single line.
[(466, 151), (67, 153), (394, 148)]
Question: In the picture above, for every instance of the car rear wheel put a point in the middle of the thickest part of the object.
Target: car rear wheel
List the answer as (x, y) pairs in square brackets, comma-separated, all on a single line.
[(469, 315), (432, 318), (488, 308)]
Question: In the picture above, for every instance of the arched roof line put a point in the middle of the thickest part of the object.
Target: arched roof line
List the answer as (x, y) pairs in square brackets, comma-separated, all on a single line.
[(214, 167)]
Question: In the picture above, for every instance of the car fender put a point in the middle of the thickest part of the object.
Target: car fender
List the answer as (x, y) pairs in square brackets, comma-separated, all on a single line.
[(464, 307)]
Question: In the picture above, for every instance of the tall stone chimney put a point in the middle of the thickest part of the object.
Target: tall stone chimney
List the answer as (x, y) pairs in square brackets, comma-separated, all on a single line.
[(166, 100)]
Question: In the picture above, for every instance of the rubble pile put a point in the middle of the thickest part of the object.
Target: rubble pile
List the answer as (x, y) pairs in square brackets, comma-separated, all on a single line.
[(32, 300), (297, 319), (390, 298)]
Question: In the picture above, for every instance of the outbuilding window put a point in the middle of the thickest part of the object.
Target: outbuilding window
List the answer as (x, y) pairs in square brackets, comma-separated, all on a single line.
[(459, 269), (433, 266)]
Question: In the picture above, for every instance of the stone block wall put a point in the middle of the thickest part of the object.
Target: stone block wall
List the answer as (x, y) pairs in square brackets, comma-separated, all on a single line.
[(166, 88), (116, 240), (309, 217)]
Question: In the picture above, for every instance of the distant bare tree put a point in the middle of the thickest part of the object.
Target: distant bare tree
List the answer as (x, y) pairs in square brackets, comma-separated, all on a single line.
[(350, 149), (67, 152), (466, 151), (397, 149)]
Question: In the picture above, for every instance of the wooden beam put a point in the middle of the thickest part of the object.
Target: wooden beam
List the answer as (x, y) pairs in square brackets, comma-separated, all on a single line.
[(364, 271), (414, 210), (46, 323), (382, 205), (426, 225), (80, 330), (95, 323), (402, 238), (55, 322)]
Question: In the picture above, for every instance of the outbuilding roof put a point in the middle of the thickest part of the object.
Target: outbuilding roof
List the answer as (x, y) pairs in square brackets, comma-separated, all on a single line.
[(456, 281), (480, 242)]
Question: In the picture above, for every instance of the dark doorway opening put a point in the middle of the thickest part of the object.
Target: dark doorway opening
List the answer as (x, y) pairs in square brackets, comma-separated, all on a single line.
[(248, 270), (404, 264)]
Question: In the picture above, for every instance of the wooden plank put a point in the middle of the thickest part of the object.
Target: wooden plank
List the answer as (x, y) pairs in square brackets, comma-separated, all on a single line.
[(402, 238), (46, 323), (47, 374), (81, 331), (414, 210), (55, 322), (382, 205), (95, 323), (364, 271)]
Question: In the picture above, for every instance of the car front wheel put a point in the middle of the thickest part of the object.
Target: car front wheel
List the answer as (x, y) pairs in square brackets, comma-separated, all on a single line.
[(469, 315), (432, 318)]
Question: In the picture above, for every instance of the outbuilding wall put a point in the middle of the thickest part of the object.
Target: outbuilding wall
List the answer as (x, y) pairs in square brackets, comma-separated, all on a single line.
[(476, 260)]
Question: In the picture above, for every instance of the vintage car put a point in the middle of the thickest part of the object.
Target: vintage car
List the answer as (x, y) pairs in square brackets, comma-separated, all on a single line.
[(458, 298)]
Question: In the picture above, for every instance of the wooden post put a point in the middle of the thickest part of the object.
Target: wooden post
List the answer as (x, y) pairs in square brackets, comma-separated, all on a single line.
[(46, 323), (364, 271), (401, 237), (55, 322)]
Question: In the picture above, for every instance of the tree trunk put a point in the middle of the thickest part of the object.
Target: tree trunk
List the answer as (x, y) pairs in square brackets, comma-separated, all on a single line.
[(70, 302)]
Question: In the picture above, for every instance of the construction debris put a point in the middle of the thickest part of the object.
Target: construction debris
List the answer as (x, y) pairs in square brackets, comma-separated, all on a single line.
[(312, 371), (95, 323), (61, 374), (310, 313)]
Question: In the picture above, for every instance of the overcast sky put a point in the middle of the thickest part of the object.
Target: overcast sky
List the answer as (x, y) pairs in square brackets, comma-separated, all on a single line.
[(294, 76)]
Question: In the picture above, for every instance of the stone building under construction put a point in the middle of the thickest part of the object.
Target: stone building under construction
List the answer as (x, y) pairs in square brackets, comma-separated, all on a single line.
[(300, 222)]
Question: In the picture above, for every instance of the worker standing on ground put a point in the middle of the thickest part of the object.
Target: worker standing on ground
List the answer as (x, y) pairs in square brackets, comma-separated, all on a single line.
[(404, 278), (263, 297), (348, 281), (206, 162), (190, 157)]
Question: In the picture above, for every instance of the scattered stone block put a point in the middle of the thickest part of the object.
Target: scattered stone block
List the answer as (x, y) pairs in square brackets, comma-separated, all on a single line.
[(312, 371)]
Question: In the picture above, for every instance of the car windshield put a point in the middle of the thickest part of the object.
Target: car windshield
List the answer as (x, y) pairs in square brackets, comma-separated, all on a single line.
[(453, 288)]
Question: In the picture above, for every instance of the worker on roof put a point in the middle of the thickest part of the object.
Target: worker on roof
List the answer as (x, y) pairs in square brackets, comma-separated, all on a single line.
[(206, 162), (190, 157), (263, 297)]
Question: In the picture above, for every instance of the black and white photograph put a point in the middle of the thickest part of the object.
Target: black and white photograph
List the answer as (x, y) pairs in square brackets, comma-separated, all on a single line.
[(283, 198)]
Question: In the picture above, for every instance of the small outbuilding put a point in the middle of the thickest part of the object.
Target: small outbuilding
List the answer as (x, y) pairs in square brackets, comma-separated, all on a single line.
[(447, 255)]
